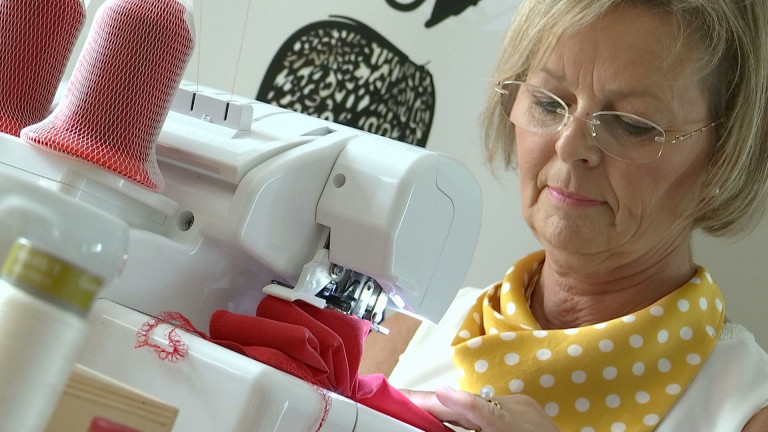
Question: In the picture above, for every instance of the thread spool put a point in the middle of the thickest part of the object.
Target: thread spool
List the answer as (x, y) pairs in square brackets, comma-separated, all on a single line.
[(43, 300), (36, 40), (57, 253), (121, 88)]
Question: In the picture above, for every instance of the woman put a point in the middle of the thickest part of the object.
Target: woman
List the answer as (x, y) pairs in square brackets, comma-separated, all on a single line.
[(632, 123)]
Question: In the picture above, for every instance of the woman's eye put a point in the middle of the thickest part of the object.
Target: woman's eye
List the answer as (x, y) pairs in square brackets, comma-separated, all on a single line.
[(635, 127), (548, 105)]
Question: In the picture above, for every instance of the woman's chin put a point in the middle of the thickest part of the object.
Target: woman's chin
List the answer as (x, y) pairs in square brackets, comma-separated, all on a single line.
[(570, 235)]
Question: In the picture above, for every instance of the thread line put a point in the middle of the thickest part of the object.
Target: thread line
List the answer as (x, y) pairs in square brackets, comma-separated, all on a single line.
[(240, 52), (199, 46)]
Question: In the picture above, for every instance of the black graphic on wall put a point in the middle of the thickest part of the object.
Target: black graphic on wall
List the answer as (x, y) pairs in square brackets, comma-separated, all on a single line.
[(405, 6), (443, 8), (343, 71)]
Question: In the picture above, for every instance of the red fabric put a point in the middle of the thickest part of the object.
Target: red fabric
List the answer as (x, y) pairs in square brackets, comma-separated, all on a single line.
[(100, 424), (321, 346)]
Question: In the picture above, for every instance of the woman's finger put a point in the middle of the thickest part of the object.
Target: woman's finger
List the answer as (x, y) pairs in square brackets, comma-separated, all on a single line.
[(474, 411), (513, 413), (429, 402)]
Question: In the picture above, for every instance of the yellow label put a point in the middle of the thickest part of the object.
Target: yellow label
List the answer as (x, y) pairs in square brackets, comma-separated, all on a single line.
[(32, 268)]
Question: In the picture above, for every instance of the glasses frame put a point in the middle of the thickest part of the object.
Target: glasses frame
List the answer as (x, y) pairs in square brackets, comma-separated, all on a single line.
[(592, 122)]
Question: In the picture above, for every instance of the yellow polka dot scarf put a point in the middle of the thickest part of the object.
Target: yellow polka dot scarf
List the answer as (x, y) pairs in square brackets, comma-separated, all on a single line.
[(620, 375)]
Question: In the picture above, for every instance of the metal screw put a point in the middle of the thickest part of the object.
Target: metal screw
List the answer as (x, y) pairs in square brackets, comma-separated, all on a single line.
[(336, 270), (186, 220)]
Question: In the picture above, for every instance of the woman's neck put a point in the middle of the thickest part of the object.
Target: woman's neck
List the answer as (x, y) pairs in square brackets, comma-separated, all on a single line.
[(567, 296)]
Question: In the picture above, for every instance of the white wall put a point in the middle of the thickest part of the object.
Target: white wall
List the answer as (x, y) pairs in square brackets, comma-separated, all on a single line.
[(460, 53)]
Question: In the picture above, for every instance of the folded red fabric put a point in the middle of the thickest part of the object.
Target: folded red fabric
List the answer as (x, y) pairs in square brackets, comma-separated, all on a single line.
[(321, 346)]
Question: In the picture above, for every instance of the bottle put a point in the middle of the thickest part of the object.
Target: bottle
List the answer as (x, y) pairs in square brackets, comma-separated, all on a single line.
[(58, 254)]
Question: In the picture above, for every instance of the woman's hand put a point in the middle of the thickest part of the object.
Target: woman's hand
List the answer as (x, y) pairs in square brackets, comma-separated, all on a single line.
[(516, 413)]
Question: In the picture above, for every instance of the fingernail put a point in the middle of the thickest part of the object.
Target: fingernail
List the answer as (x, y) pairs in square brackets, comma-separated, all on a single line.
[(446, 387)]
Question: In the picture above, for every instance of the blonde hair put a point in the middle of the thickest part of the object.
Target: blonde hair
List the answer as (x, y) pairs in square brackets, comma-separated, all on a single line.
[(734, 193)]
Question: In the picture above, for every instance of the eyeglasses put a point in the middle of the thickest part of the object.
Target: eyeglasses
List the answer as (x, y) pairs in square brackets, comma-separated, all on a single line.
[(624, 136)]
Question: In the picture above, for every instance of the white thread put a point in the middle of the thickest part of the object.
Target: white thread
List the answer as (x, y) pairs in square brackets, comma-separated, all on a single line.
[(199, 45), (240, 52), (39, 343)]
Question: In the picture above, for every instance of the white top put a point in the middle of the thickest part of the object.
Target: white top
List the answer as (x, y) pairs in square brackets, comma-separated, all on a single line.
[(730, 388)]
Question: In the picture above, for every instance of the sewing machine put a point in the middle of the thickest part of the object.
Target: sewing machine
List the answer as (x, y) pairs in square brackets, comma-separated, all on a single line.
[(257, 200), (262, 202)]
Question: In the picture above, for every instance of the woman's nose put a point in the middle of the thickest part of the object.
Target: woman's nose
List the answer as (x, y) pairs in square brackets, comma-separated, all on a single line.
[(576, 143)]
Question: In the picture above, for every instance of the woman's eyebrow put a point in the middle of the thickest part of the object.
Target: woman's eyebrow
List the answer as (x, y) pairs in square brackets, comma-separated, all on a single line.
[(615, 94), (550, 73)]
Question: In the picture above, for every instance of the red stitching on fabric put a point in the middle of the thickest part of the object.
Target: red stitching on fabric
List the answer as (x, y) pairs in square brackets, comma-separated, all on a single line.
[(179, 350)]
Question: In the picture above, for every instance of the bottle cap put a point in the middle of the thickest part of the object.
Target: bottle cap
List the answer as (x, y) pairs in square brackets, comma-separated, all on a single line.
[(50, 277)]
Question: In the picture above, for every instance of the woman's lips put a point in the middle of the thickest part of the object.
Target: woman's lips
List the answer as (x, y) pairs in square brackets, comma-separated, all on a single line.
[(572, 199)]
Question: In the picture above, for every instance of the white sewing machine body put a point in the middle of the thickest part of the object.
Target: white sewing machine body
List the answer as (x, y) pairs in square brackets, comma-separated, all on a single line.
[(217, 389), (272, 202)]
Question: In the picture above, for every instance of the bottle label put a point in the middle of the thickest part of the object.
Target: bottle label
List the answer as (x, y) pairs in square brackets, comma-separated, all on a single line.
[(39, 272)]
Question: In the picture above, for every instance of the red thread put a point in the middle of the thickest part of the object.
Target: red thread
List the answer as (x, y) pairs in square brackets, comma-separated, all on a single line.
[(37, 40), (121, 88), (327, 401), (326, 407), (178, 349)]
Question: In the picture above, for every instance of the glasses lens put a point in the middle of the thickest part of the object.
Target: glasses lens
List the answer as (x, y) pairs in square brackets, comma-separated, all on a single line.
[(621, 135), (531, 108), (628, 137)]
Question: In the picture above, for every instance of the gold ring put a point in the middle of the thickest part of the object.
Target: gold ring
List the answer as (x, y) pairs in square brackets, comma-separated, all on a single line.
[(495, 403)]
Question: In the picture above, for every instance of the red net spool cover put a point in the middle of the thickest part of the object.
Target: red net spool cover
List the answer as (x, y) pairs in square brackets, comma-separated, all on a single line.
[(36, 41), (122, 88)]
